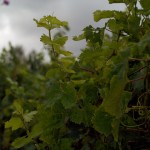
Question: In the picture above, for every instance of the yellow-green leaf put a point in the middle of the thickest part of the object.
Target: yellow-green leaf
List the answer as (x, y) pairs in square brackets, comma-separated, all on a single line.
[(14, 123), (98, 15), (18, 107), (65, 53), (60, 41), (113, 101), (20, 142), (29, 116), (145, 4), (102, 121)]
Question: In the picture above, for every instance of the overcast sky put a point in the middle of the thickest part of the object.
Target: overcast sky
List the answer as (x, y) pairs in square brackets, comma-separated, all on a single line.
[(18, 27)]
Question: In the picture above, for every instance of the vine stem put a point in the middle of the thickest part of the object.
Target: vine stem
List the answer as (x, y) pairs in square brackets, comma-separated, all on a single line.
[(134, 80), (138, 107), (145, 93), (49, 33), (136, 59), (87, 70), (138, 70), (133, 125), (137, 130)]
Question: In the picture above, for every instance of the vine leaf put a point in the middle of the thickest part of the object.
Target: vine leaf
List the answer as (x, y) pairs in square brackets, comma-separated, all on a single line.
[(57, 44), (29, 116), (65, 53), (115, 128), (55, 72), (115, 25), (67, 63), (78, 82), (14, 123), (98, 15), (76, 115), (18, 107), (54, 93), (82, 115), (80, 37), (65, 93), (117, 1), (20, 142), (113, 100), (65, 143), (145, 4), (46, 40), (37, 129), (102, 121), (144, 44), (50, 22), (43, 24), (60, 40), (68, 98), (53, 119), (133, 24)]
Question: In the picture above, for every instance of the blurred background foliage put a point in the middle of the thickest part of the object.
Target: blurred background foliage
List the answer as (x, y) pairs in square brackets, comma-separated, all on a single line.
[(21, 77)]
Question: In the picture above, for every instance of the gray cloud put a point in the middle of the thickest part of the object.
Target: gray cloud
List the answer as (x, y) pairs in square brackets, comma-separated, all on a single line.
[(17, 25)]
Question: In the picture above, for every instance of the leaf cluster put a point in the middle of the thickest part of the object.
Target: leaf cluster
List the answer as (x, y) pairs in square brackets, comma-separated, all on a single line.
[(96, 101)]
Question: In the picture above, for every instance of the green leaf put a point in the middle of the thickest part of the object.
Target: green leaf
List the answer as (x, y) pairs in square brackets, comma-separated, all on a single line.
[(54, 73), (69, 70), (145, 4), (115, 129), (102, 121), (20, 142), (105, 123), (76, 115), (50, 118), (68, 98), (36, 130), (88, 32), (14, 123), (18, 107), (78, 82), (43, 24), (98, 15), (66, 144), (92, 58), (67, 64), (57, 44), (65, 93), (115, 26), (55, 23), (46, 40), (65, 53), (89, 92), (144, 44), (133, 24), (117, 1), (53, 93), (29, 116), (67, 61), (60, 40), (126, 97), (80, 37), (82, 115), (50, 22), (113, 101)]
